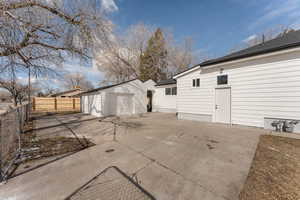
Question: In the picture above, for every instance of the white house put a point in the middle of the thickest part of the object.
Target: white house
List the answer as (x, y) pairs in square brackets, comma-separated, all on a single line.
[(164, 98), (258, 86), (125, 98)]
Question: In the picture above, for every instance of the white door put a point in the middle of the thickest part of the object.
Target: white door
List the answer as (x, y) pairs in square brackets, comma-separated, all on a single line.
[(95, 107), (121, 104), (223, 105), (124, 104)]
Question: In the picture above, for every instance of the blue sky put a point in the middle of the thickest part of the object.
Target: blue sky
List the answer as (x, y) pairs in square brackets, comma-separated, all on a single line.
[(216, 26)]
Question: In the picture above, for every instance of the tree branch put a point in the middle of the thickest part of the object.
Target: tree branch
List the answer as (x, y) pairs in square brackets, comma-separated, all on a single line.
[(55, 11)]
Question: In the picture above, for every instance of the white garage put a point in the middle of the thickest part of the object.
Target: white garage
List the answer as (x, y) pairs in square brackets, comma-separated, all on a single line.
[(125, 98)]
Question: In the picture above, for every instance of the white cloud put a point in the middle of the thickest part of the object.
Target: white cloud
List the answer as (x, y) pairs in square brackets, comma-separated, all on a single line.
[(90, 72), (289, 9), (109, 6), (295, 25), (251, 37)]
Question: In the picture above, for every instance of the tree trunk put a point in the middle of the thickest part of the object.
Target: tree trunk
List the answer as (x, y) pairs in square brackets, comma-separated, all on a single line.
[(15, 101)]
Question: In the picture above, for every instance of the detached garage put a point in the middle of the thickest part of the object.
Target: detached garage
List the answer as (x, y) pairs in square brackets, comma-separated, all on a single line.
[(258, 86), (125, 98)]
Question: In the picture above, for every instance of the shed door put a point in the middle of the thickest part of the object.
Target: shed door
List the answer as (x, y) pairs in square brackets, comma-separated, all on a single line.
[(121, 104), (223, 105)]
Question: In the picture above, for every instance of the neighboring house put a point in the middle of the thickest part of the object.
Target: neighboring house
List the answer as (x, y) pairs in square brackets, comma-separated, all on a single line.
[(125, 98), (70, 93), (164, 99), (255, 86)]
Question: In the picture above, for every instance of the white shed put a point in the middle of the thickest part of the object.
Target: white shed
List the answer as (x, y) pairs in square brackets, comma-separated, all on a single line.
[(125, 98), (258, 86), (164, 99)]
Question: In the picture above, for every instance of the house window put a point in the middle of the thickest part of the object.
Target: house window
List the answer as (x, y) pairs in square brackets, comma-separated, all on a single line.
[(171, 91), (196, 82), (174, 91), (168, 91), (223, 80)]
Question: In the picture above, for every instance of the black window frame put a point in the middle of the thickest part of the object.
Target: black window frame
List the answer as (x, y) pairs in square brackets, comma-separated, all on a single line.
[(196, 82), (168, 91), (174, 91), (221, 80)]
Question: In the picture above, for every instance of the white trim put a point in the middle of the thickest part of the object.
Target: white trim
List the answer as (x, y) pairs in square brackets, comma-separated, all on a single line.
[(223, 86), (186, 72), (237, 61)]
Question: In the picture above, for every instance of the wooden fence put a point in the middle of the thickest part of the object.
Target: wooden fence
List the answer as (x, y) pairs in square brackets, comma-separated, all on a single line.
[(43, 104)]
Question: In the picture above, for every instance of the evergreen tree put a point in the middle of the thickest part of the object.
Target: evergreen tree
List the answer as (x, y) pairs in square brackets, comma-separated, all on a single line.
[(153, 63)]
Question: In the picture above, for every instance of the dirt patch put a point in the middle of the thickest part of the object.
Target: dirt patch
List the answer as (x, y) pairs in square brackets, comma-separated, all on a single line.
[(275, 171), (36, 148)]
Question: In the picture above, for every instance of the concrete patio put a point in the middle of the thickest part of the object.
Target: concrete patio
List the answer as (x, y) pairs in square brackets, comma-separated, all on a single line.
[(170, 158)]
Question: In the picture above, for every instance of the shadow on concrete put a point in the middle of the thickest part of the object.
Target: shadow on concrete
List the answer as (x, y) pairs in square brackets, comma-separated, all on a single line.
[(13, 174), (62, 124), (111, 183)]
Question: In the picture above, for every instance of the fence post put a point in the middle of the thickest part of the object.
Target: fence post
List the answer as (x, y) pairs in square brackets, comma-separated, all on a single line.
[(73, 103), (55, 104), (33, 104)]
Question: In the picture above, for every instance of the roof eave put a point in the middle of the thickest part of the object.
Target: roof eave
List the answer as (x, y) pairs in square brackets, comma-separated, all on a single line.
[(157, 85), (277, 49), (187, 71)]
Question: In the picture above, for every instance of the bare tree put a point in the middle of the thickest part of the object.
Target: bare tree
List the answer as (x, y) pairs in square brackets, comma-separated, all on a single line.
[(39, 33), (120, 59), (77, 80), (18, 91), (180, 56)]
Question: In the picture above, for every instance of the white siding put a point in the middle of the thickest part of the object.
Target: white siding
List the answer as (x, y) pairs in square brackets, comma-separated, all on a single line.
[(265, 87), (198, 100), (162, 102), (116, 99)]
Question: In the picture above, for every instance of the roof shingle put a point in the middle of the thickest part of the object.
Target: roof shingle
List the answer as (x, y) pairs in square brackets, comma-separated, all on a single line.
[(289, 40), (166, 82)]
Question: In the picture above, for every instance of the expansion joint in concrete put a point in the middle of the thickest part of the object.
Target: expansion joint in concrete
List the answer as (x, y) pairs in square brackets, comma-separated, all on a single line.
[(152, 160)]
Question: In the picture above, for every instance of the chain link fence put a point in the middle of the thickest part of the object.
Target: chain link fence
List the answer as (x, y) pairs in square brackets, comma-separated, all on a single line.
[(11, 126), (111, 184)]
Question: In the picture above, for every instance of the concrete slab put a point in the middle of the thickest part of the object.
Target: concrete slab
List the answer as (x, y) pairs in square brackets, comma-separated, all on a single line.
[(170, 158), (61, 178)]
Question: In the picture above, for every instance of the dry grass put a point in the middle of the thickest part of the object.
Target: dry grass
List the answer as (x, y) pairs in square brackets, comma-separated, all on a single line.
[(275, 171)]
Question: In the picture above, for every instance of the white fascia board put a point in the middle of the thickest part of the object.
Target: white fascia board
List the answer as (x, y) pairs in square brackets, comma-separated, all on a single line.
[(186, 72)]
